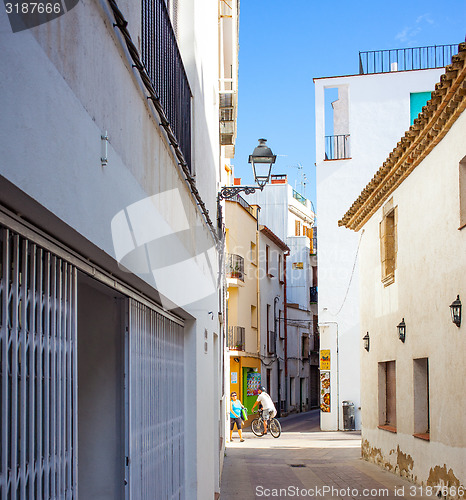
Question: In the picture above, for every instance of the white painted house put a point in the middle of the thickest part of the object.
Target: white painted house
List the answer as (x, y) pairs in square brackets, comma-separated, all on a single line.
[(371, 111), (110, 160), (412, 270)]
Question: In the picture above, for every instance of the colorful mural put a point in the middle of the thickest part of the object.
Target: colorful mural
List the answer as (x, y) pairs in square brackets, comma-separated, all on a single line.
[(325, 391), (254, 382)]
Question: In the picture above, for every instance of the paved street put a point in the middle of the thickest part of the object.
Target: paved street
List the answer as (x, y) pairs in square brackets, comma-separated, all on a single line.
[(305, 462)]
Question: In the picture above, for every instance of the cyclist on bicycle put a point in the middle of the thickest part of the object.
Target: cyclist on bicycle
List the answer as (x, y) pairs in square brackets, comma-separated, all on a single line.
[(268, 408)]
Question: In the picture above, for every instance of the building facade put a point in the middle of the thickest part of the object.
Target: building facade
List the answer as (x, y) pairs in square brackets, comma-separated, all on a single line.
[(368, 114), (290, 216), (413, 380), (111, 341), (255, 276)]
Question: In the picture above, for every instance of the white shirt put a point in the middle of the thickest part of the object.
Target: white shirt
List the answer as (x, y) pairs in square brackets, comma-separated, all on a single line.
[(266, 401)]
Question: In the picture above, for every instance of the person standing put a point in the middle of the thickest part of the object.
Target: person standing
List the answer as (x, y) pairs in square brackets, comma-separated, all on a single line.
[(235, 416), (268, 408)]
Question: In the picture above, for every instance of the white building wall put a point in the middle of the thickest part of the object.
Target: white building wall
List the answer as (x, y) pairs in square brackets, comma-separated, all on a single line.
[(64, 84), (430, 273), (379, 113)]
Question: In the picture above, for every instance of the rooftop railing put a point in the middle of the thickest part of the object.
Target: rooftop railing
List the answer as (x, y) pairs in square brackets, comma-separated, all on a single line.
[(162, 59), (385, 61), (299, 197)]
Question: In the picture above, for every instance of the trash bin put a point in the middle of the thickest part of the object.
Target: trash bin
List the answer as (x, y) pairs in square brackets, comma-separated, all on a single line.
[(348, 415)]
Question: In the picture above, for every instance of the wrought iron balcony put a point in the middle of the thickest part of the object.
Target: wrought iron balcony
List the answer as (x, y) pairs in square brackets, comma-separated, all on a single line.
[(385, 61), (162, 59), (236, 336), (235, 267), (337, 147)]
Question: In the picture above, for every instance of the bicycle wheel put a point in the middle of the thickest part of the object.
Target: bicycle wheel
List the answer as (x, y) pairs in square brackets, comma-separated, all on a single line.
[(257, 427), (275, 428)]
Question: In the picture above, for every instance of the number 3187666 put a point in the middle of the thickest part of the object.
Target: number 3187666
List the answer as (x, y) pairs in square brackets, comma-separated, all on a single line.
[(33, 8)]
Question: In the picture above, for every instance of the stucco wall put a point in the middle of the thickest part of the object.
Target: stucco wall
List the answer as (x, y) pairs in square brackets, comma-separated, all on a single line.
[(430, 273), (64, 84), (379, 114)]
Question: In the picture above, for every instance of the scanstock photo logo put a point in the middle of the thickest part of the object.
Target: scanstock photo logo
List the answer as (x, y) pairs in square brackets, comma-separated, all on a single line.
[(26, 14), (172, 254)]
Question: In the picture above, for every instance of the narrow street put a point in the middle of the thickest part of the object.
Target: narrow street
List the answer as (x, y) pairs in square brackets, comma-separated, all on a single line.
[(305, 462)]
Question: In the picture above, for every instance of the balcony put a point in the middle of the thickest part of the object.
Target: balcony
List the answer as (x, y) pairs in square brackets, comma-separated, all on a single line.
[(385, 61), (313, 295), (299, 197), (236, 336), (162, 60), (337, 147), (235, 267)]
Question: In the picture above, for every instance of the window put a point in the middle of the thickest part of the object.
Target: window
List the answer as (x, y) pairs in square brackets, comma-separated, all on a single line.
[(270, 333), (281, 327), (387, 229), (280, 269), (463, 193), (416, 101), (304, 230), (387, 395), (421, 398), (253, 317), (253, 254), (267, 252), (305, 346), (297, 228)]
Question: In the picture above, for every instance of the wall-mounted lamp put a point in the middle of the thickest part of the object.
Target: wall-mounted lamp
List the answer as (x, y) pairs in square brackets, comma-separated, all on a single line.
[(366, 341), (455, 309), (262, 160), (402, 330)]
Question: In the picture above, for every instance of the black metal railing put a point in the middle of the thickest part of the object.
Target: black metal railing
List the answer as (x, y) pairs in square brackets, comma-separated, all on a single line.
[(337, 147), (235, 266), (313, 295), (235, 338), (162, 59), (243, 203), (384, 61)]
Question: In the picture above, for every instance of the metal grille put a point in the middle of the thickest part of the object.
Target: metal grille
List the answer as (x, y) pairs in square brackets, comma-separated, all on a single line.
[(408, 59), (156, 405), (162, 60), (38, 377)]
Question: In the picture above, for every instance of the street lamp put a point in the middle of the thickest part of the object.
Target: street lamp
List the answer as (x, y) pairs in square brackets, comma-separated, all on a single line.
[(262, 160), (402, 330), (455, 308), (366, 341)]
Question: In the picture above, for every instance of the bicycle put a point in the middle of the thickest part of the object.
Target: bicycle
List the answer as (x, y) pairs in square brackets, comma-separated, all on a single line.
[(257, 426)]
